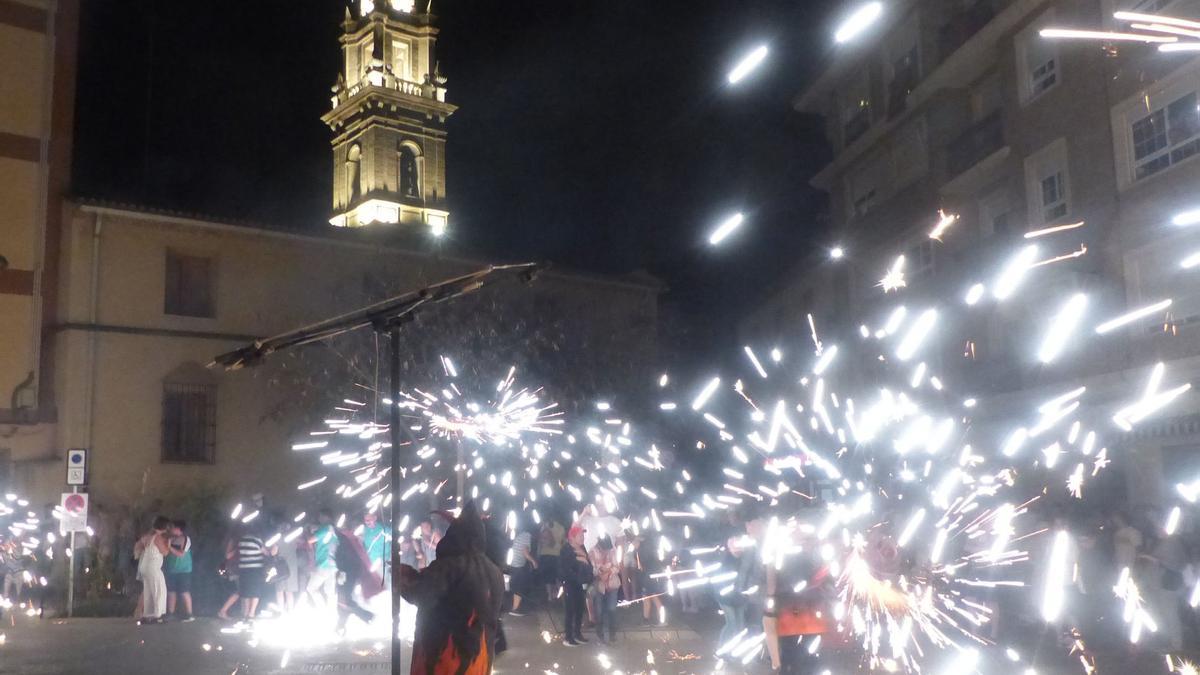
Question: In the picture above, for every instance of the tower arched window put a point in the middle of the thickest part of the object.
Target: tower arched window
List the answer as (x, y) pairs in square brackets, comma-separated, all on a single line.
[(353, 172), (410, 172)]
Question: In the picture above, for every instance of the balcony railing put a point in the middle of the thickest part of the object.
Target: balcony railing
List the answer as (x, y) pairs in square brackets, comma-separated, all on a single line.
[(975, 144)]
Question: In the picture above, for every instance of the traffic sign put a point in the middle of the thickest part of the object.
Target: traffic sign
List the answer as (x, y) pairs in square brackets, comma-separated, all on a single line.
[(77, 466), (74, 512)]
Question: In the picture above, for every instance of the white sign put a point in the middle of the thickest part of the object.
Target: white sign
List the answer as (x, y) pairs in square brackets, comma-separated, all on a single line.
[(77, 466), (74, 512)]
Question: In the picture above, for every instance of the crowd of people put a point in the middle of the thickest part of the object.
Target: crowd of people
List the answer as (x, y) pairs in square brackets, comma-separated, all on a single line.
[(272, 566), (589, 565)]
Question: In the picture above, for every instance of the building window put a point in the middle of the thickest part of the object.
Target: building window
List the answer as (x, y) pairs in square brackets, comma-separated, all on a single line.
[(905, 76), (189, 423), (189, 286), (1047, 183), (368, 57), (855, 108), (1054, 197), (1038, 65), (1166, 136), (995, 214), (902, 63), (6, 465), (910, 156), (353, 173), (401, 63), (919, 261), (867, 185), (410, 173)]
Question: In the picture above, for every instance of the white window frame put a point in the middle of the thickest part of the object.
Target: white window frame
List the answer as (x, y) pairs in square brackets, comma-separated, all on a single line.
[(1184, 81), (1041, 166), (1025, 40)]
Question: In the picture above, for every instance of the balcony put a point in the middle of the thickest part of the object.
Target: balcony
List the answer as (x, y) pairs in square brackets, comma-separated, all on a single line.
[(975, 149), (962, 26)]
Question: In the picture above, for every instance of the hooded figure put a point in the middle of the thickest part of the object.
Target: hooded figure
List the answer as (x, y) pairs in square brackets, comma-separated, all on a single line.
[(458, 600)]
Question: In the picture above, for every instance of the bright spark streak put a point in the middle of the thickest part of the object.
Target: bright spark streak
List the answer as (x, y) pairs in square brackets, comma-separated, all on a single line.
[(945, 220), (916, 334), (1136, 314), (1173, 521), (1186, 218), (1071, 33), (706, 393), (1180, 47), (305, 486), (1051, 230), (1012, 274), (894, 279), (974, 294), (1155, 18), (747, 64), (725, 229), (1062, 327), (911, 528), (1056, 577), (754, 360), (825, 360), (1191, 261), (858, 22)]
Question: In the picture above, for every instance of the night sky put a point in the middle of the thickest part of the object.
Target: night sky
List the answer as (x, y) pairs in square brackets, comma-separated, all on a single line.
[(597, 135)]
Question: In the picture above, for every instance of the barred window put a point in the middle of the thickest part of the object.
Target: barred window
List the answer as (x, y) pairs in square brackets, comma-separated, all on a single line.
[(189, 423)]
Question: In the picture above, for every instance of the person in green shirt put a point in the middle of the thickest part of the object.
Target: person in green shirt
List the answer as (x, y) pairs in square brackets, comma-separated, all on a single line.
[(377, 544), (324, 573), (178, 570)]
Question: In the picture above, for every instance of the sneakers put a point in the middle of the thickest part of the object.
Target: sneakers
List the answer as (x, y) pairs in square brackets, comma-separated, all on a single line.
[(516, 612), (582, 640), (570, 643), (188, 619)]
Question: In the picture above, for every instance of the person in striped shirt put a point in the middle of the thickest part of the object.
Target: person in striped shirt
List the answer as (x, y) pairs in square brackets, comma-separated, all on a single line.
[(252, 554)]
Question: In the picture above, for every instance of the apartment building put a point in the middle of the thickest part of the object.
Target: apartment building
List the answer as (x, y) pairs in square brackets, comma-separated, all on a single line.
[(963, 107)]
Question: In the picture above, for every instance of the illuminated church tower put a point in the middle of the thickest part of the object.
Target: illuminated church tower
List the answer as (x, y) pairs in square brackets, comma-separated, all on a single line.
[(389, 119)]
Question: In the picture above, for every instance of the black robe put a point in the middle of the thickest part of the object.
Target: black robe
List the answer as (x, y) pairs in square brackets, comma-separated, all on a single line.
[(458, 599)]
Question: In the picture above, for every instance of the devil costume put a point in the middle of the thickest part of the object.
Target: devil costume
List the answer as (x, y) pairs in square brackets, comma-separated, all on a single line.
[(458, 600)]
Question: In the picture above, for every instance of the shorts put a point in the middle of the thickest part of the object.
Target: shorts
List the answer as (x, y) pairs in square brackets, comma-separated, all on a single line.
[(521, 579), (252, 582), (323, 578), (179, 582)]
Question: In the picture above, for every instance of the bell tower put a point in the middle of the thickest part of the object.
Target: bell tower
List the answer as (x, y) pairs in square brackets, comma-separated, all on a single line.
[(389, 119)]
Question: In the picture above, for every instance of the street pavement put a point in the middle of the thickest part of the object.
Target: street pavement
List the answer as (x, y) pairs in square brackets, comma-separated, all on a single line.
[(121, 647), (29, 646)]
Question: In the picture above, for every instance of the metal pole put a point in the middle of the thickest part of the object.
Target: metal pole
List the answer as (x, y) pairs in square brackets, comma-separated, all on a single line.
[(461, 470), (394, 429), (71, 569)]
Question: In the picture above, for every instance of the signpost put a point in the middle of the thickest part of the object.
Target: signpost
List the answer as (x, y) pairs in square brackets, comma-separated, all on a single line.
[(74, 514)]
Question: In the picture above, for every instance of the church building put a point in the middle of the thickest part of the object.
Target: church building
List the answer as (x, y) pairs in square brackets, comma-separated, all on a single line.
[(130, 305)]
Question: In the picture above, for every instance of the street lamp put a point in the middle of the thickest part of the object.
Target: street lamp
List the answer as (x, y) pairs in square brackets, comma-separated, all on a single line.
[(837, 253)]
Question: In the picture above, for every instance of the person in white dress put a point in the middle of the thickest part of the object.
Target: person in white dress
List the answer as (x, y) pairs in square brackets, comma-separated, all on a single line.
[(149, 550)]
